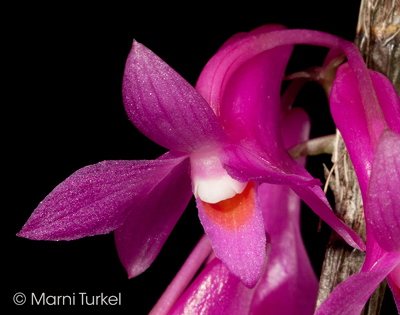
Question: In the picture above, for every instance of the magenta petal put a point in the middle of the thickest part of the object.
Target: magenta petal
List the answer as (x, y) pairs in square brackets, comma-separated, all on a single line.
[(355, 122), (253, 164), (215, 291), (144, 232), (388, 98), (350, 296), (289, 284), (365, 88), (248, 102), (348, 113), (165, 107), (374, 253), (378, 259), (244, 165), (95, 199), (383, 198), (249, 107), (315, 198), (219, 69), (236, 232)]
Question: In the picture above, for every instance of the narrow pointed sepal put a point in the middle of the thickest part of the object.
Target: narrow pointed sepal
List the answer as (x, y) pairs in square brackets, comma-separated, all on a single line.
[(96, 199), (236, 231), (140, 238), (252, 164), (165, 107), (350, 116), (315, 198)]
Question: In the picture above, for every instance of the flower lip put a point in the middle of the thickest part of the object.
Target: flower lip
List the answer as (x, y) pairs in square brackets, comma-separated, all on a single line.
[(210, 181)]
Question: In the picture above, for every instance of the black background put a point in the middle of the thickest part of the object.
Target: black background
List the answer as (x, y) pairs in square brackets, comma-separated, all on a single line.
[(66, 112)]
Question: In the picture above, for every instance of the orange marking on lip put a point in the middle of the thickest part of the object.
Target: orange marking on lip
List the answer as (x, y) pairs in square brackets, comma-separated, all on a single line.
[(234, 212)]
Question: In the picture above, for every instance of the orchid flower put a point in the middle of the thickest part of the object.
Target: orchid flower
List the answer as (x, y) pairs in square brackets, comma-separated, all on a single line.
[(366, 109), (288, 284), (224, 139)]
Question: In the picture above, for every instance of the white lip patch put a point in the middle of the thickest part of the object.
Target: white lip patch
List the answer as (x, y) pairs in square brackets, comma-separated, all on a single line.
[(210, 181)]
